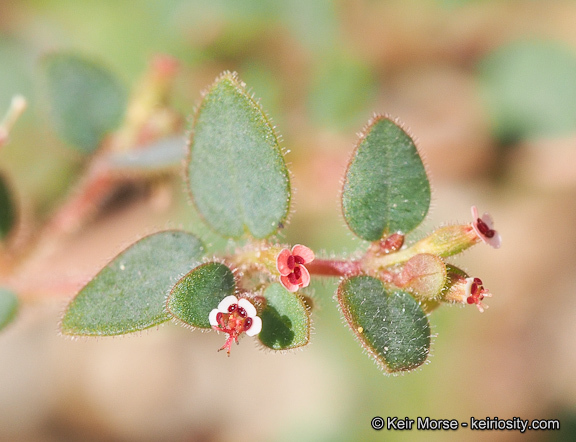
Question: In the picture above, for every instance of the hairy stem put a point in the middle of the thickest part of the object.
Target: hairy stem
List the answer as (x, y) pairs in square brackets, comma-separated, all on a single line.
[(331, 267)]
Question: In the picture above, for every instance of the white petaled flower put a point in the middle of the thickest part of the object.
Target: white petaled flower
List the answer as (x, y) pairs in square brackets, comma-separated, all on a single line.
[(235, 316), (484, 228), (475, 293)]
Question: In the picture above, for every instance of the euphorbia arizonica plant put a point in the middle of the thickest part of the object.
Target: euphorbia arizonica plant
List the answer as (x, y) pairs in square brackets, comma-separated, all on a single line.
[(239, 183)]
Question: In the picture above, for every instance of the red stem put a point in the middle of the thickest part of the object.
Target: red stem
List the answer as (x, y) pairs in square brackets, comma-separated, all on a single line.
[(329, 267)]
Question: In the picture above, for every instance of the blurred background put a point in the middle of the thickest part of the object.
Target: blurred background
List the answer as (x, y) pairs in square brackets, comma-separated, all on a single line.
[(487, 88)]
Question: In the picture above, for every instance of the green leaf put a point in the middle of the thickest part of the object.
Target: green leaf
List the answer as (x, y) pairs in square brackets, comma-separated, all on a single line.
[(86, 100), (199, 292), (129, 294), (236, 172), (530, 89), (390, 325), (7, 209), (285, 320), (386, 188), (8, 307)]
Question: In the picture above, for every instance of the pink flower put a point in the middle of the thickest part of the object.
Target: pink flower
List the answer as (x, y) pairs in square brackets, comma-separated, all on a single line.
[(484, 229), (475, 293), (290, 264), (235, 317)]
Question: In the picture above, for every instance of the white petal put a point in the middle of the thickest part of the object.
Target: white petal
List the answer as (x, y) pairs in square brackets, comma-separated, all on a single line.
[(487, 218), (495, 241), (474, 211), (468, 287), (247, 305), (227, 302), (212, 317), (256, 326)]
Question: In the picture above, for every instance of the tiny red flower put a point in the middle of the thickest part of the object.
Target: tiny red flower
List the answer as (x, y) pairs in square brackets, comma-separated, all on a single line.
[(484, 229), (290, 265), (235, 317), (475, 293)]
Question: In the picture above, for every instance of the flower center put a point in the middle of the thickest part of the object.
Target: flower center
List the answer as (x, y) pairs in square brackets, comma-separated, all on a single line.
[(293, 261), (475, 292), (235, 322), (484, 229), (295, 276)]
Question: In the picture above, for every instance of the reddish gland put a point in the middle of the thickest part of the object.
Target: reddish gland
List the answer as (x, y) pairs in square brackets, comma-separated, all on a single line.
[(235, 322), (295, 276), (293, 262), (393, 243), (484, 229)]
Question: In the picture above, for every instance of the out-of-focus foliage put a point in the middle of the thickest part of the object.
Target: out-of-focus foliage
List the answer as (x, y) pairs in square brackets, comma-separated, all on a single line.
[(8, 307), (86, 100), (341, 89), (530, 89), (7, 209)]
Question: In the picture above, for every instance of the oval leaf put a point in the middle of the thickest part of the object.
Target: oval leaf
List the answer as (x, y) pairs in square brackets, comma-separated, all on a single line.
[(199, 292), (285, 320), (390, 325), (386, 188), (236, 172), (129, 294), (8, 307), (86, 100), (7, 210)]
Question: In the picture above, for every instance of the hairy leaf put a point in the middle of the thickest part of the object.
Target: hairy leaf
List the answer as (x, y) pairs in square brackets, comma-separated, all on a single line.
[(390, 325), (200, 291), (236, 172), (129, 294), (285, 320), (386, 188)]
